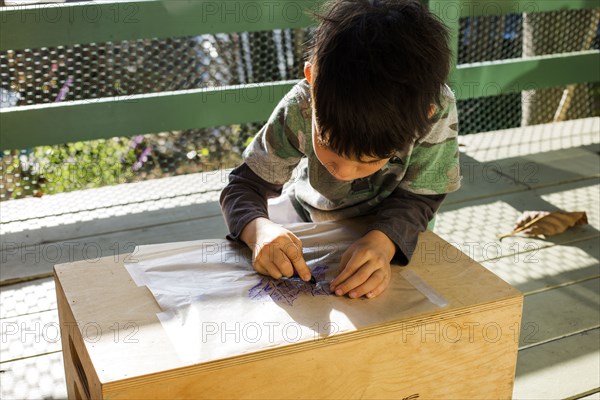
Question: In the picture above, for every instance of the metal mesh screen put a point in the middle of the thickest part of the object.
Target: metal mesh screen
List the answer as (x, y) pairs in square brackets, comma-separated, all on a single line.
[(35, 76), (527, 35), (64, 73), (46, 75)]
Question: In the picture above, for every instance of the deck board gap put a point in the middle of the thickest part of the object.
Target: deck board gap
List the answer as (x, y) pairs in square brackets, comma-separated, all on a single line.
[(543, 342), (29, 313), (584, 394), (560, 285), (117, 205), (31, 278), (31, 356)]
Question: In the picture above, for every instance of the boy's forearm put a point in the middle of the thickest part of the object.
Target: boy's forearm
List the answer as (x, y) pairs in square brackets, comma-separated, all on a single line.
[(244, 199), (402, 216), (382, 241), (249, 232)]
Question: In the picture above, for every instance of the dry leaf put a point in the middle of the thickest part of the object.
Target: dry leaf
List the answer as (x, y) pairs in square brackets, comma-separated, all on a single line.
[(535, 223)]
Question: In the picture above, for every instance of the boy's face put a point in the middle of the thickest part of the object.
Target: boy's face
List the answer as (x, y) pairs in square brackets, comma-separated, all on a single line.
[(342, 168)]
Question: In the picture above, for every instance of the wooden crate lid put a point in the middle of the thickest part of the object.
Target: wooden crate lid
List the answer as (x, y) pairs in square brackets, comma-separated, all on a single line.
[(126, 341)]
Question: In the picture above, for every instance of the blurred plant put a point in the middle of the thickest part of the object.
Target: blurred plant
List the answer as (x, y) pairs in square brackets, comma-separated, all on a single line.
[(82, 165)]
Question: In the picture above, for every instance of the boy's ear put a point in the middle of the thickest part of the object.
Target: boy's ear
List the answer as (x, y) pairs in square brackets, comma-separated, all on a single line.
[(432, 110), (308, 71)]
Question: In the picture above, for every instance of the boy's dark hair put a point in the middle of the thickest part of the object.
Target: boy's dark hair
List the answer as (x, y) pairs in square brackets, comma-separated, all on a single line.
[(378, 66)]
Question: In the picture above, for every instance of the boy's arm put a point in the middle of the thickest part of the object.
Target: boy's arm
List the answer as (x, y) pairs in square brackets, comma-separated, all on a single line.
[(244, 205), (245, 199), (390, 239), (433, 171), (402, 216)]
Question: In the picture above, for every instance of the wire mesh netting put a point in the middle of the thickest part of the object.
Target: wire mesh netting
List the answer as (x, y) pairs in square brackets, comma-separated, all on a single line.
[(135, 67), (78, 72), (527, 35)]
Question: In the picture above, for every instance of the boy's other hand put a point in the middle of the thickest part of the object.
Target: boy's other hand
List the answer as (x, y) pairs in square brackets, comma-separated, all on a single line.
[(366, 266), (276, 251)]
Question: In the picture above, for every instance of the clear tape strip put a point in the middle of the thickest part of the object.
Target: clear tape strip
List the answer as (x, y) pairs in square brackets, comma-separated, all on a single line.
[(424, 288)]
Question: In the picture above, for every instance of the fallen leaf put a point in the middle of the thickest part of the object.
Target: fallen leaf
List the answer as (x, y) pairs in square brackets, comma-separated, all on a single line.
[(536, 223)]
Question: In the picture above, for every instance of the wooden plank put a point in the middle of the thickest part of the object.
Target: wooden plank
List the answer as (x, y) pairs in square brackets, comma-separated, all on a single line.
[(483, 180), (29, 335), (63, 216), (550, 267), (39, 259), (125, 194), (553, 168), (53, 25), (528, 140), (101, 221), (455, 9), (560, 312), (106, 117), (66, 24), (559, 369), (510, 175), (27, 298), (492, 78), (509, 160), (40, 377), (473, 226), (426, 370)]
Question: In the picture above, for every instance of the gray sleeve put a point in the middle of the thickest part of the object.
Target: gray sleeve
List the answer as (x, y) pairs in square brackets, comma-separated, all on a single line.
[(401, 216), (245, 198)]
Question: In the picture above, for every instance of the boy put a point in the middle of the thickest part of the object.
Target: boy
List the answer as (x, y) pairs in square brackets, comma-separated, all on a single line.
[(373, 130)]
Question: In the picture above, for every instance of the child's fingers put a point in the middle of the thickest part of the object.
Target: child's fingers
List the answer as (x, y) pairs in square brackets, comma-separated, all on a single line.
[(264, 265), (272, 270), (282, 263), (359, 277), (379, 289), (261, 269), (375, 280), (357, 259), (344, 259), (294, 254)]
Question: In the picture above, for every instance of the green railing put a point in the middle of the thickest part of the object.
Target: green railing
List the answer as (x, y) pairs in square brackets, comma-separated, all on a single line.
[(512, 76), (80, 23)]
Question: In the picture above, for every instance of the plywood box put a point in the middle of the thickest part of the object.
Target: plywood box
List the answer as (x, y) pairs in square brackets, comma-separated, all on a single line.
[(116, 348)]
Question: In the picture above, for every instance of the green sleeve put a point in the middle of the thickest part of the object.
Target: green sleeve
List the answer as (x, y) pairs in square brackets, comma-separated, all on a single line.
[(280, 144)]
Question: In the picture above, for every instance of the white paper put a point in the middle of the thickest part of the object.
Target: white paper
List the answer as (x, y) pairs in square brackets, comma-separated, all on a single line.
[(216, 306)]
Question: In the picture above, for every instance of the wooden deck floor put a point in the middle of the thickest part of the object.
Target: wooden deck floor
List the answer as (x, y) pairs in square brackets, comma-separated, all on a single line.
[(545, 167)]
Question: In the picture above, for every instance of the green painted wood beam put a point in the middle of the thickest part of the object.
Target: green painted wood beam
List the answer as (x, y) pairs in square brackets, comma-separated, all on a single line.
[(515, 75), (453, 25), (450, 10), (45, 25), (36, 125)]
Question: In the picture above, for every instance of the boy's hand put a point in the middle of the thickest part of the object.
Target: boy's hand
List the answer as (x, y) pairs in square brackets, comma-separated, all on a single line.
[(276, 251), (366, 266)]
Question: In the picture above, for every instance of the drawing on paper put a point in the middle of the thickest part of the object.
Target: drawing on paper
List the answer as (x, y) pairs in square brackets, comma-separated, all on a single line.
[(288, 290)]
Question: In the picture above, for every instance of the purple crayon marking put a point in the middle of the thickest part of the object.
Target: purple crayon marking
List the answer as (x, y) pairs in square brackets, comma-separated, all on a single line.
[(288, 290)]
